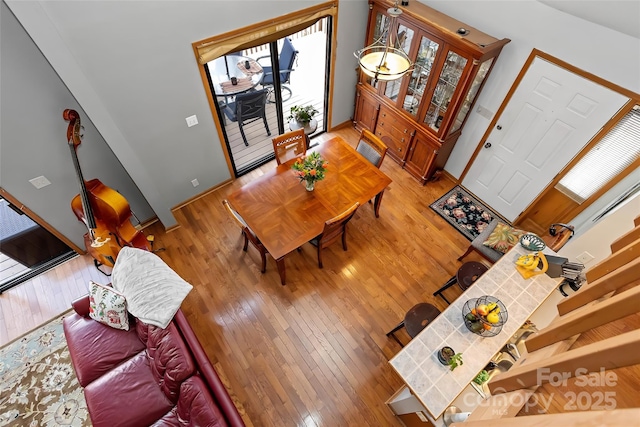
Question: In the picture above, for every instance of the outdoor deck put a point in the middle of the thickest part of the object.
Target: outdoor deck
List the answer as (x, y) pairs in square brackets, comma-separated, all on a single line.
[(309, 67)]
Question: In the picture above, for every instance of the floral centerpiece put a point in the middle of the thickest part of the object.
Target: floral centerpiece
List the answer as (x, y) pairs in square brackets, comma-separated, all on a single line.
[(310, 169)]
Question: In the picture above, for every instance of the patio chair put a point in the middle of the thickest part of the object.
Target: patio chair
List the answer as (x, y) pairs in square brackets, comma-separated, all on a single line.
[(286, 58), (247, 108)]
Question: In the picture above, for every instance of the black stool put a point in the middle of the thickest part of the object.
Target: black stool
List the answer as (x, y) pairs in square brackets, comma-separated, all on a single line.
[(416, 319), (466, 275)]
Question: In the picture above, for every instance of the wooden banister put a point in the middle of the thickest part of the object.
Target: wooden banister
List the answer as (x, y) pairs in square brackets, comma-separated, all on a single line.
[(586, 318), (614, 261), (626, 239), (615, 418), (614, 352), (600, 287)]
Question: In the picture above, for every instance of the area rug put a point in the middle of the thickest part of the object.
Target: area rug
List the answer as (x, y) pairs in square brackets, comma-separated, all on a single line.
[(463, 212), (38, 386)]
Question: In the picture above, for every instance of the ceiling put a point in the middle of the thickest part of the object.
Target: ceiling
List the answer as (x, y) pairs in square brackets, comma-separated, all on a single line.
[(619, 15)]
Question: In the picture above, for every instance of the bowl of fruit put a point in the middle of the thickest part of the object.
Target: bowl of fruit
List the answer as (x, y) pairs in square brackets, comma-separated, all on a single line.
[(485, 315)]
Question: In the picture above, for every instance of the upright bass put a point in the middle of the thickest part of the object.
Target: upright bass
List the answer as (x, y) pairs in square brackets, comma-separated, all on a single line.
[(104, 211)]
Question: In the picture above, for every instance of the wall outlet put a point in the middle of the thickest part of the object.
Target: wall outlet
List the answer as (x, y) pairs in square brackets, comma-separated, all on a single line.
[(192, 120), (585, 257), (39, 182), (195, 182)]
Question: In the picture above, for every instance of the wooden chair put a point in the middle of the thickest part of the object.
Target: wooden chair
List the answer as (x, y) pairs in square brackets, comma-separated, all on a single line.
[(334, 228), (249, 235), (371, 147), (289, 146)]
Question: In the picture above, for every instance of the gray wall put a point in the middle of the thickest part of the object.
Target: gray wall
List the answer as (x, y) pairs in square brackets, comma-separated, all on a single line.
[(33, 137)]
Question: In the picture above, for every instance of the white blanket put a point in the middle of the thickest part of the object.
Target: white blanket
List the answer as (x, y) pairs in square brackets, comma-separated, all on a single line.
[(154, 292)]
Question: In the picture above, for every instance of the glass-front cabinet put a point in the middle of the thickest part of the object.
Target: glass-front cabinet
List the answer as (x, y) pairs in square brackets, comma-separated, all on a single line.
[(451, 62)]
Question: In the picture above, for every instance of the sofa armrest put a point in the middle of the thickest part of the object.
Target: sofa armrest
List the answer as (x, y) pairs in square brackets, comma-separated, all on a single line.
[(207, 371), (81, 306)]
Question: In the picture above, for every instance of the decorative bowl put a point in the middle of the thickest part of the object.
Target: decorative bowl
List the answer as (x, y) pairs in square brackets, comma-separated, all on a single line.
[(485, 325), (532, 242)]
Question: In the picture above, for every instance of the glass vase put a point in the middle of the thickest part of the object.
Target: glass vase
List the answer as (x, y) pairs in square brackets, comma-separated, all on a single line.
[(309, 185)]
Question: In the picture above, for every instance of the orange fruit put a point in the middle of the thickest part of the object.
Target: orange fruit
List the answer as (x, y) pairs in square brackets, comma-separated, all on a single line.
[(486, 326), (473, 311)]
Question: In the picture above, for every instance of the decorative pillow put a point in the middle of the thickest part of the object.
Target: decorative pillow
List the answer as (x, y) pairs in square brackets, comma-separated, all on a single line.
[(154, 292), (108, 306), (503, 238)]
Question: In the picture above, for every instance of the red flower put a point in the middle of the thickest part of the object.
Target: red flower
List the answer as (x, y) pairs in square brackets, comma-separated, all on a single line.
[(459, 213)]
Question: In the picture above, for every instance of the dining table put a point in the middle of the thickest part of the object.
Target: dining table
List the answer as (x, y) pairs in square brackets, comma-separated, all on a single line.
[(284, 215)]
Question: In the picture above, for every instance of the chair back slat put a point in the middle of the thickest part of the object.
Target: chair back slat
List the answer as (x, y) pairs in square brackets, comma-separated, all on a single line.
[(289, 146), (371, 147)]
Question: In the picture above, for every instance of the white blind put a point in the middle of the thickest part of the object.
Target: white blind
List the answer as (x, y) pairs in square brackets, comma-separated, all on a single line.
[(614, 153)]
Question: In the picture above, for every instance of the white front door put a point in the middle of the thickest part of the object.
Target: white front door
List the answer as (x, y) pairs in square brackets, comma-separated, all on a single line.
[(552, 114)]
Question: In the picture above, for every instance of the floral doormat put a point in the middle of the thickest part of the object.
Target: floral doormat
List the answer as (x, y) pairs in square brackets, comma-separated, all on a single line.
[(464, 212), (38, 386)]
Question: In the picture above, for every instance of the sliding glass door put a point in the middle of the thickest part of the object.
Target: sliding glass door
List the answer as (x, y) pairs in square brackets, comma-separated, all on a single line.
[(254, 100)]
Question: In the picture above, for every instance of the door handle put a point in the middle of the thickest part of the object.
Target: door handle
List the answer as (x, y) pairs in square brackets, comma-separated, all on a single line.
[(499, 127), (487, 145)]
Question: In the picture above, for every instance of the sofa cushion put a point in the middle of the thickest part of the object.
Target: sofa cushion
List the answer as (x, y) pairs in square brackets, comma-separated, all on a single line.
[(95, 348), (195, 407), (128, 395), (108, 306), (170, 360)]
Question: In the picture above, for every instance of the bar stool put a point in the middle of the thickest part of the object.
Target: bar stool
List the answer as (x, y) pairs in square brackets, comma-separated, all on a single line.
[(466, 275), (416, 319)]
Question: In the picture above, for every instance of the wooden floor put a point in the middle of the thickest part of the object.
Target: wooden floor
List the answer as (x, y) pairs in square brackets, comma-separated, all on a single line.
[(313, 352)]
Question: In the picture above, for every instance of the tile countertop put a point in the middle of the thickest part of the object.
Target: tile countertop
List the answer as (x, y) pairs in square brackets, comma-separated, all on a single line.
[(417, 363)]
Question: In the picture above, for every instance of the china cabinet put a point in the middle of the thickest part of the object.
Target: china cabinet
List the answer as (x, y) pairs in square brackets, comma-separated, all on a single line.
[(421, 115)]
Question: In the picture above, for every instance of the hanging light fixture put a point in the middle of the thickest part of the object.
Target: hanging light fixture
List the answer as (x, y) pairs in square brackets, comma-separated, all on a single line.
[(384, 59)]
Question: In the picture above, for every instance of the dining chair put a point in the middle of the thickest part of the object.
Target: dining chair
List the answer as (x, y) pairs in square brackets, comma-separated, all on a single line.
[(289, 146), (249, 235), (286, 59), (247, 108), (333, 229), (371, 147)]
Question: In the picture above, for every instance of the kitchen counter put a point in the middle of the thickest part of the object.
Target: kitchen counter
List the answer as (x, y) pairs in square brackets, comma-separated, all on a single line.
[(434, 384)]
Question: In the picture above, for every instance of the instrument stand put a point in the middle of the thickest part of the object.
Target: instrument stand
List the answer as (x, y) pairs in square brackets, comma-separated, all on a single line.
[(151, 239), (98, 264)]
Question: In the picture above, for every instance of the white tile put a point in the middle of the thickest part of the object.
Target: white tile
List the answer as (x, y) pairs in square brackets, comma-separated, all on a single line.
[(404, 364)]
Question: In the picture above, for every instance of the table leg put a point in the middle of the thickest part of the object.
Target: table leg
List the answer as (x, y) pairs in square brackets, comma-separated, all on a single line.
[(280, 264), (376, 203)]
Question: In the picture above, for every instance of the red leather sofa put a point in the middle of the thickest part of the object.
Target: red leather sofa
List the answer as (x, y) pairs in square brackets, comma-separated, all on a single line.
[(146, 376)]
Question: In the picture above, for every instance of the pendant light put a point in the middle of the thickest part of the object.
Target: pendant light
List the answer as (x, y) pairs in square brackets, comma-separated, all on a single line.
[(384, 59)]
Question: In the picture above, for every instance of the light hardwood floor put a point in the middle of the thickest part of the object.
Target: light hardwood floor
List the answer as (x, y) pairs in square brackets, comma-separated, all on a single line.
[(313, 352)]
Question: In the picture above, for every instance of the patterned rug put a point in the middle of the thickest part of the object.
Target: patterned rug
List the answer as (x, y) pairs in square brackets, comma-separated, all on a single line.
[(38, 386), (464, 212)]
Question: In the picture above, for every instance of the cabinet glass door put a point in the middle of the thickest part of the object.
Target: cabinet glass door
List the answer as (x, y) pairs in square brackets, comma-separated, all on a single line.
[(405, 37), (427, 51), (447, 82), (483, 70)]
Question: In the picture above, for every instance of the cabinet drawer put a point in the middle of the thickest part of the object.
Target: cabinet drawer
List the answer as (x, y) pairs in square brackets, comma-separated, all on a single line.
[(395, 132)]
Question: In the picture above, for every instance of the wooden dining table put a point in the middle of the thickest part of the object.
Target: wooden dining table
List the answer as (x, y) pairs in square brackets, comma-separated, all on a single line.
[(284, 215)]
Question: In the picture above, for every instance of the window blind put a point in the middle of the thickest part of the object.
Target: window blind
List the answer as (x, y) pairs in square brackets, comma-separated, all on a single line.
[(616, 151)]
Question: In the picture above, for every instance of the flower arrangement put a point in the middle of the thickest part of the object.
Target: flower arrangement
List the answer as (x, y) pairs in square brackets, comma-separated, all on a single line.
[(302, 114), (310, 169)]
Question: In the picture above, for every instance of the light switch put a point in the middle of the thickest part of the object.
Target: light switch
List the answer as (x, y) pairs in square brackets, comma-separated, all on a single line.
[(192, 120), (39, 182)]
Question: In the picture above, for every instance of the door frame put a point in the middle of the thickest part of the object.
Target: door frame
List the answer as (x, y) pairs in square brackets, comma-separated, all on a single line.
[(254, 32), (634, 99)]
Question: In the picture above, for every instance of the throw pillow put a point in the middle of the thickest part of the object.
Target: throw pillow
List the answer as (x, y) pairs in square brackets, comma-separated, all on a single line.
[(108, 306), (503, 238), (153, 290)]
